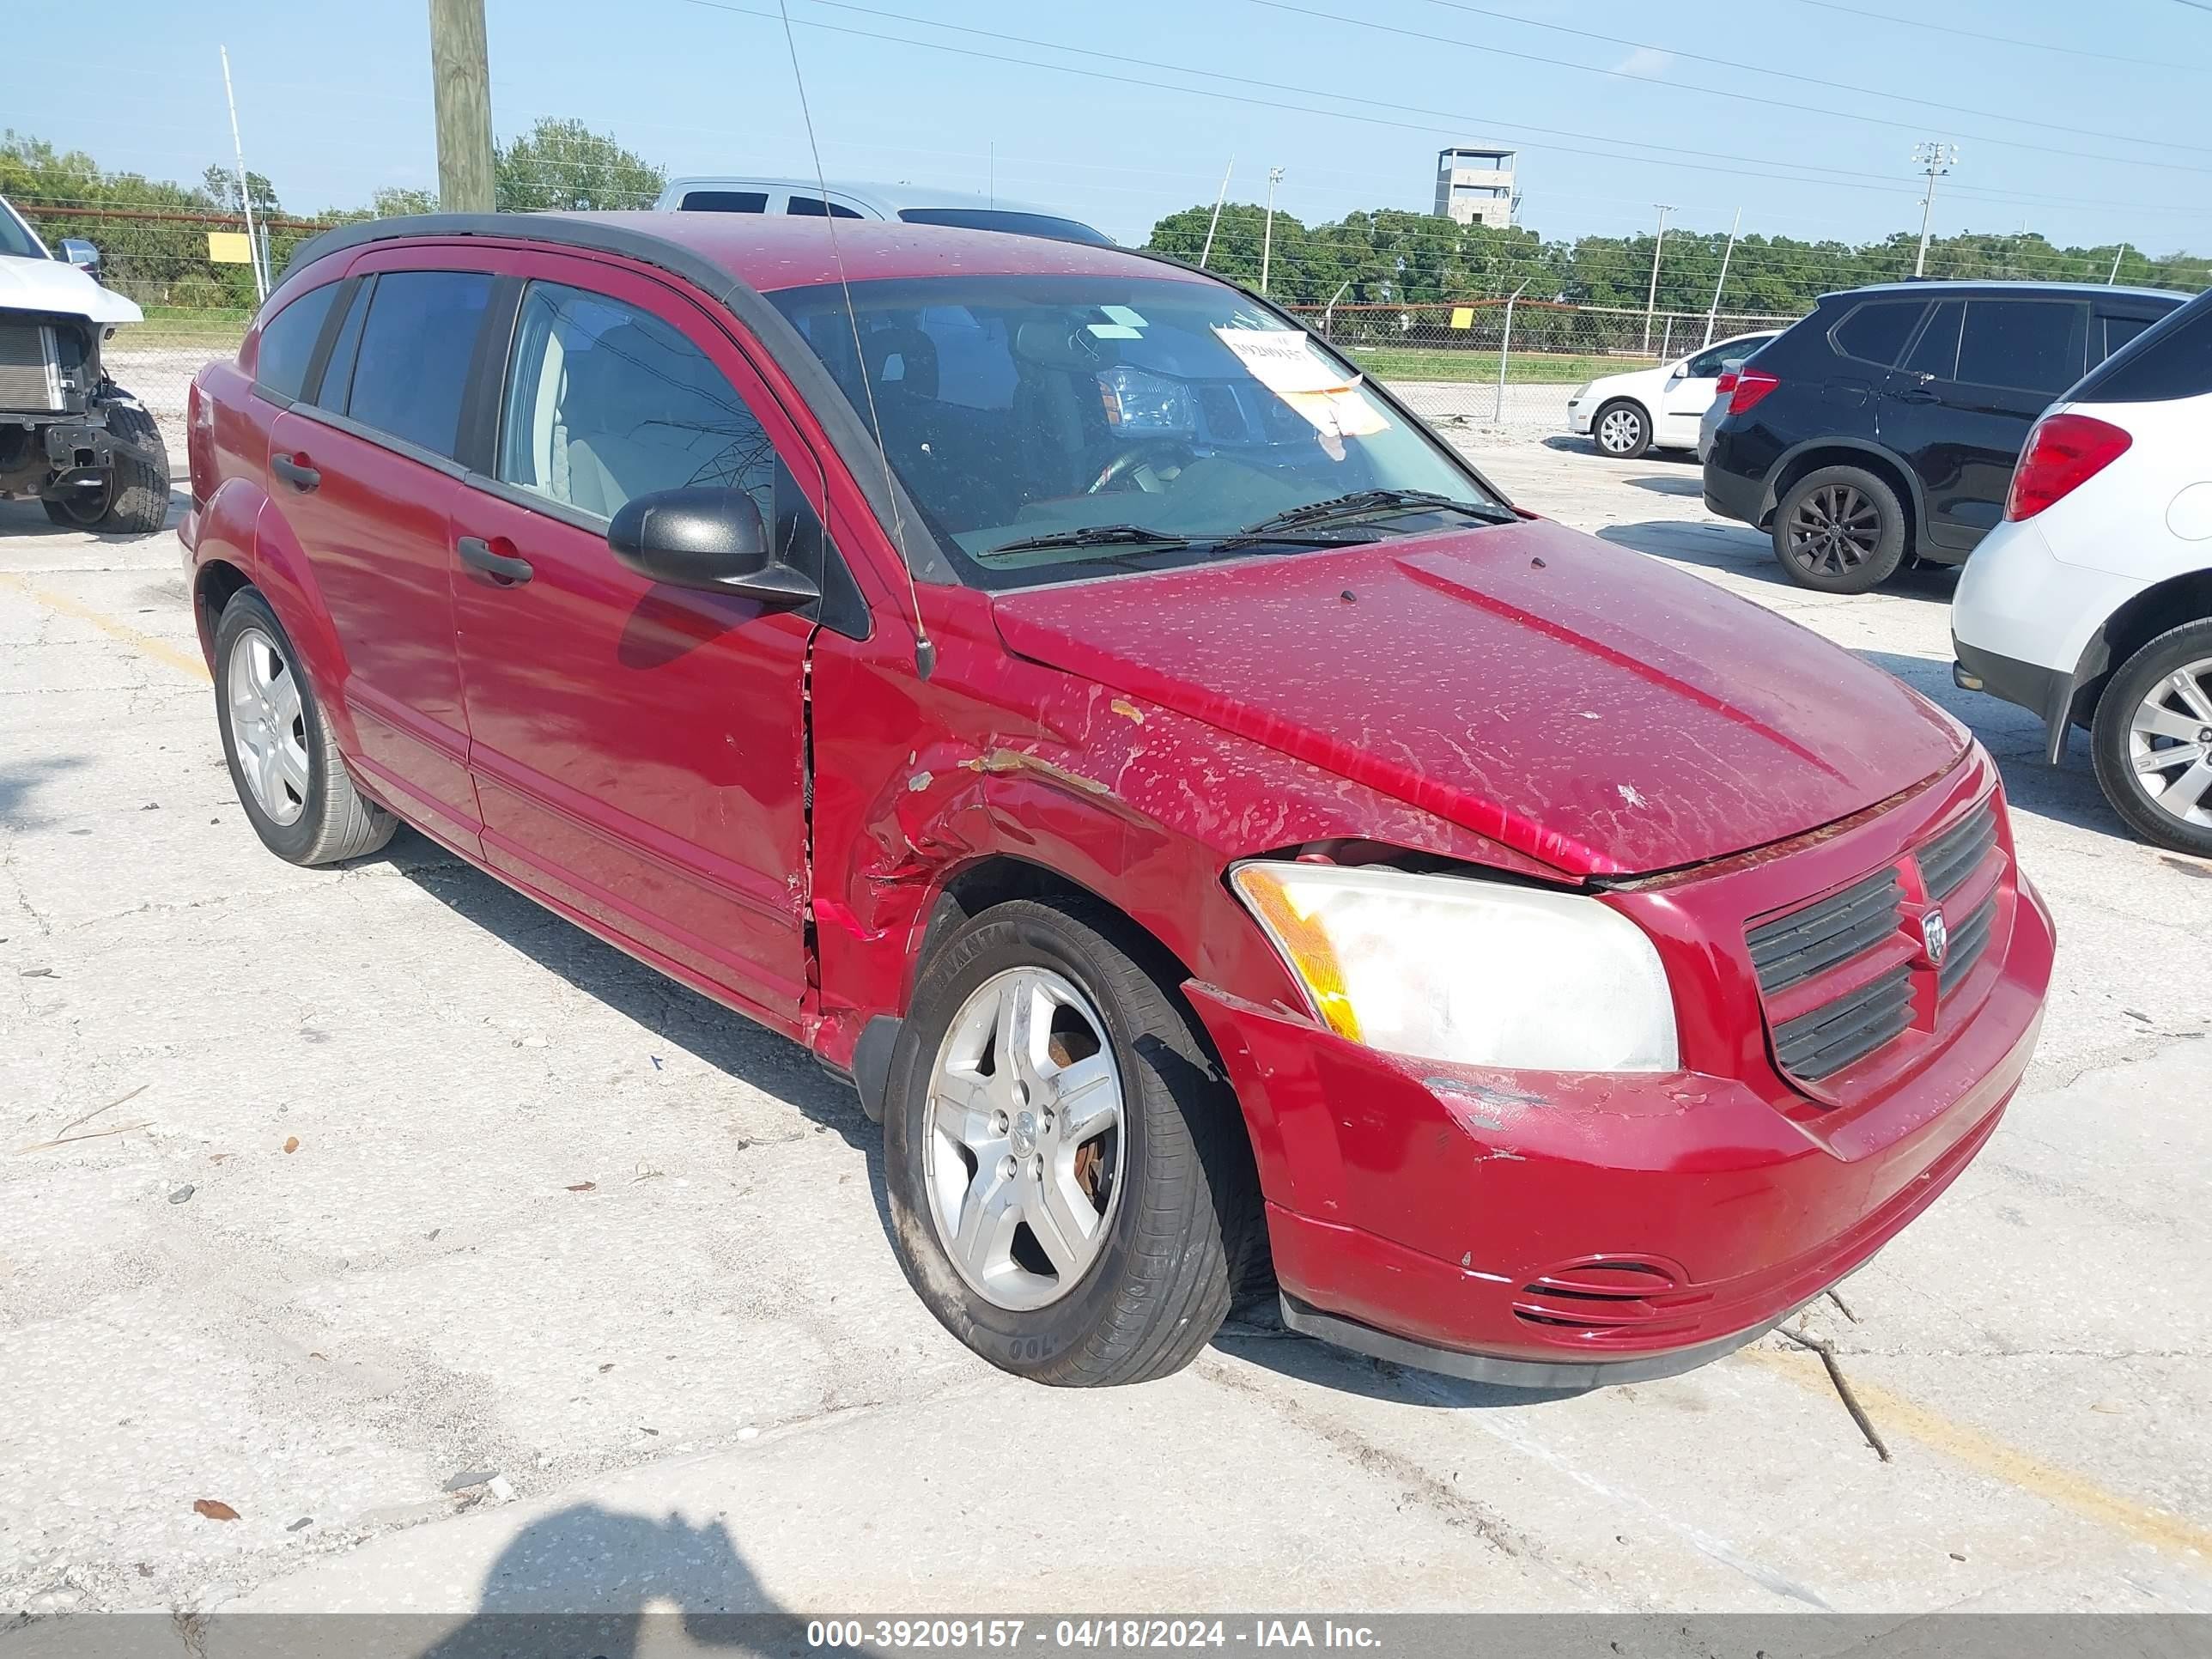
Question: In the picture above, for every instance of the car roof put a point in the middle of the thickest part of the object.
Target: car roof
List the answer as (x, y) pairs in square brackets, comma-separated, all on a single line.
[(1945, 285), (892, 198), (768, 253)]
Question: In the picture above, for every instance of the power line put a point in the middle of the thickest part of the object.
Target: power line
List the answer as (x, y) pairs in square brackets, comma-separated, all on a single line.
[(1988, 39), (1724, 92), (1946, 106)]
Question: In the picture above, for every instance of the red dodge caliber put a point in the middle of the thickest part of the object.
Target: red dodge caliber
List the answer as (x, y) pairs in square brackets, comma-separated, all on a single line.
[(1226, 845)]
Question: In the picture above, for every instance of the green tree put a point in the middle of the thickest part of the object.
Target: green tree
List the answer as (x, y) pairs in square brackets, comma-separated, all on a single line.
[(220, 185), (562, 164)]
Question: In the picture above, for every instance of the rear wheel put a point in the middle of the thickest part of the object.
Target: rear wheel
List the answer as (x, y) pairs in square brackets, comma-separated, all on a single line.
[(135, 499), (283, 762), (1072, 1193), (1623, 431), (1840, 530), (2152, 740)]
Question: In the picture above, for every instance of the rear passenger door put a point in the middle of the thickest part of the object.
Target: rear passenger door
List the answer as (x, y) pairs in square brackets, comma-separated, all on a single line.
[(1977, 374), (639, 748), (362, 477)]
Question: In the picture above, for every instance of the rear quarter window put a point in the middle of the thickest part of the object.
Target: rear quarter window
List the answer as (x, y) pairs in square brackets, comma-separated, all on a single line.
[(287, 342), (1877, 331), (2172, 360)]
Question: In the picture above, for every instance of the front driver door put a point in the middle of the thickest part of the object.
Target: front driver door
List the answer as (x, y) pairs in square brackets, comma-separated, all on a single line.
[(638, 750)]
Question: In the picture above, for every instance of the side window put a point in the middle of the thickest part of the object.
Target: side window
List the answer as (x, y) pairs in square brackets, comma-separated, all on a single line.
[(2024, 345), (813, 207), (413, 364), (605, 402), (2175, 362), (1877, 332), (1937, 351), (1706, 365), (725, 201), (288, 342), (2118, 330)]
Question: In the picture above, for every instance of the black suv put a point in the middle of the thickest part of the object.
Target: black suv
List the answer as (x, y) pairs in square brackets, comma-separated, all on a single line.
[(1885, 426)]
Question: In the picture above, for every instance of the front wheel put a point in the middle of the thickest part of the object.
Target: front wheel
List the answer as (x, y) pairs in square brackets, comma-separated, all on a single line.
[(2152, 740), (1840, 530), (135, 499), (1623, 431), (1072, 1193)]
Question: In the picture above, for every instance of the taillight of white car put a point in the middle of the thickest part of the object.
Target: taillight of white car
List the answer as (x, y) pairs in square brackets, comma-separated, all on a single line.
[(2064, 452)]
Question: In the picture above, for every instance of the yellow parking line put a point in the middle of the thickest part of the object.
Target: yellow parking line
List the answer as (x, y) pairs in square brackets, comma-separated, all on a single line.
[(2063, 1488), (159, 650)]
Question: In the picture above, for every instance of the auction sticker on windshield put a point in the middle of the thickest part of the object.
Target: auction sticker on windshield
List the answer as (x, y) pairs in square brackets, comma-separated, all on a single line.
[(1285, 362)]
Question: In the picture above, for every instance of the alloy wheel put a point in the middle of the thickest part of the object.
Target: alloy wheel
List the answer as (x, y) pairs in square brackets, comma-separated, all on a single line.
[(2170, 744), (1835, 528), (1619, 431), (1025, 1133), (268, 727)]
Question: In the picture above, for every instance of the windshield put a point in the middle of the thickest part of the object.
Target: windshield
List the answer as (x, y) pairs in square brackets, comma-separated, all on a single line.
[(1052, 428), (1008, 219), (14, 239)]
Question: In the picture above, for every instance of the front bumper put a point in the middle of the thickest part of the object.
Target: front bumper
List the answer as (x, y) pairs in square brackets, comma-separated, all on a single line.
[(1563, 1230), (1578, 417)]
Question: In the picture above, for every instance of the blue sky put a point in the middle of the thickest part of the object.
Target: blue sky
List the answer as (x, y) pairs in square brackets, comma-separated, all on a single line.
[(334, 101)]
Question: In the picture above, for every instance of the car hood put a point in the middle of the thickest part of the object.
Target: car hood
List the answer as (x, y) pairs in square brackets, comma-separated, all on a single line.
[(1578, 703), (58, 289)]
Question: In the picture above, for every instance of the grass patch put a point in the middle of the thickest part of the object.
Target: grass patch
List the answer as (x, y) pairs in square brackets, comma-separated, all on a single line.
[(1522, 368)]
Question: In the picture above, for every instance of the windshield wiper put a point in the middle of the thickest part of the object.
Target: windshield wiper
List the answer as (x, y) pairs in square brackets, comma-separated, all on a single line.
[(1368, 503), (1096, 535)]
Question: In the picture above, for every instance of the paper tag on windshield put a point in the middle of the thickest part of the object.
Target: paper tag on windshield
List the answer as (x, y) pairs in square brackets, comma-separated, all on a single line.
[(1284, 360)]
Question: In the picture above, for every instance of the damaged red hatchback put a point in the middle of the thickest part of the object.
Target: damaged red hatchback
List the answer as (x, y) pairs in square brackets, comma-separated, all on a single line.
[(1221, 838)]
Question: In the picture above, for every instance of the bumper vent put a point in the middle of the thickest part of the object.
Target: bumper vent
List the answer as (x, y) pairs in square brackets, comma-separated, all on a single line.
[(1792, 949), (1598, 1297), (1968, 941), (1821, 1043), (1947, 860)]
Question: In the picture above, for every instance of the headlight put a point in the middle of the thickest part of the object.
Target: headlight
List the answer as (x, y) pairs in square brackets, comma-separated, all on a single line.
[(1455, 969), (1581, 392), (1137, 401)]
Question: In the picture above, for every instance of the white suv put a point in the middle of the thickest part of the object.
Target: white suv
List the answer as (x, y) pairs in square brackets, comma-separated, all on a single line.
[(1655, 408), (2092, 603)]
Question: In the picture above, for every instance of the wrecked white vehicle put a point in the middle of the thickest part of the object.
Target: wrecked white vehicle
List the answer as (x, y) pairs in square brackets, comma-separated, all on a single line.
[(70, 435)]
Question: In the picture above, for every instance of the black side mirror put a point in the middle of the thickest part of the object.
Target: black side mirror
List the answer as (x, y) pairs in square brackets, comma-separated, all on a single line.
[(706, 538), (81, 254)]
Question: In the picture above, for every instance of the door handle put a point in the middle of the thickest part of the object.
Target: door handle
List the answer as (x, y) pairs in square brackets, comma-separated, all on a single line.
[(1915, 394), (294, 471), (476, 554)]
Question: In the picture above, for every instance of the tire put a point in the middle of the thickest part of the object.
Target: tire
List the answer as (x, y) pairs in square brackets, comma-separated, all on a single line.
[(1841, 530), (1630, 439), (1174, 1194), (136, 502), (319, 817), (2141, 694)]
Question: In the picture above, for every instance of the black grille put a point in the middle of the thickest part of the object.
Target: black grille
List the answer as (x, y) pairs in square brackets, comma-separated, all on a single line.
[(1828, 1039), (1792, 951), (1968, 941), (1952, 856)]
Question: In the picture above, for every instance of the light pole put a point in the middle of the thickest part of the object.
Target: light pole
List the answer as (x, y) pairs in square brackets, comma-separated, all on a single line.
[(1934, 160), (1267, 240), (1652, 304)]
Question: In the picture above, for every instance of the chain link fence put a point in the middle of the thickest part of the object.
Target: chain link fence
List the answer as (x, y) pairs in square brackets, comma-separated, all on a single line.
[(1512, 364)]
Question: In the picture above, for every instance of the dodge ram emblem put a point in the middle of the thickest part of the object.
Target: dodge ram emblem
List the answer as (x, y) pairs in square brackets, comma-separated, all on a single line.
[(1935, 936)]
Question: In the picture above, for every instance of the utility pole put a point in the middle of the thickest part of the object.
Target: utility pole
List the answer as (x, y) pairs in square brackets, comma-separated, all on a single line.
[(1934, 160), (1713, 315), (1219, 196), (253, 255), (1652, 304), (461, 81), (1268, 242), (2120, 253)]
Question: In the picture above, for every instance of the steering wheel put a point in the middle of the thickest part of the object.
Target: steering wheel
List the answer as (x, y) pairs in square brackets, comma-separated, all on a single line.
[(1125, 463)]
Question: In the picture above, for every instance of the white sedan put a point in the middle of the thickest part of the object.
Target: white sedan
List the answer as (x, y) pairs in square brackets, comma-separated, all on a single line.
[(1655, 408)]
